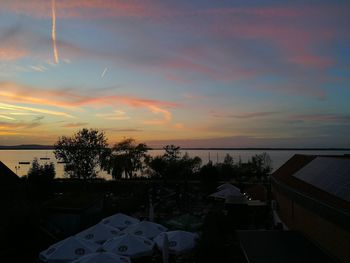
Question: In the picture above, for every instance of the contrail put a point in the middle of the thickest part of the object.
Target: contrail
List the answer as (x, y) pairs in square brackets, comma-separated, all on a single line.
[(104, 73), (53, 33)]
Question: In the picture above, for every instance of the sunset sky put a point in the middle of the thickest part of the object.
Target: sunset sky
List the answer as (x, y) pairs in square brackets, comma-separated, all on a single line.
[(195, 73)]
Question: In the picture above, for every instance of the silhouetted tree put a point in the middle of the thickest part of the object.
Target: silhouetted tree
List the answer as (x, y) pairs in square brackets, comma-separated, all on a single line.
[(190, 166), (172, 152), (158, 166), (209, 176), (172, 166), (41, 173), (261, 165), (39, 179), (126, 158), (82, 153), (227, 168)]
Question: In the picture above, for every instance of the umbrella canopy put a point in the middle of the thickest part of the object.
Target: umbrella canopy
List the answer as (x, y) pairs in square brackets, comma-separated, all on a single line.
[(130, 245), (146, 229), (103, 257), (228, 186), (179, 241), (120, 221), (225, 193), (185, 222), (98, 233), (67, 250)]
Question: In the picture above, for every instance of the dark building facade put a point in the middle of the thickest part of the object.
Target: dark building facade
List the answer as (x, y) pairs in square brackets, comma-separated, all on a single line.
[(313, 197)]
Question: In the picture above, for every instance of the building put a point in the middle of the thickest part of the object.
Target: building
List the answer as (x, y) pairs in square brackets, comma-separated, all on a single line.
[(313, 197), (280, 246), (7, 177)]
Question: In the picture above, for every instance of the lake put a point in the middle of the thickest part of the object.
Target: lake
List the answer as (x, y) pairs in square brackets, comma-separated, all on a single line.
[(12, 157)]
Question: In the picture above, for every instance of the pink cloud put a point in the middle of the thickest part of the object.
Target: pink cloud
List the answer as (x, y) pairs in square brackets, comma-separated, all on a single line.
[(70, 100), (11, 53), (310, 60)]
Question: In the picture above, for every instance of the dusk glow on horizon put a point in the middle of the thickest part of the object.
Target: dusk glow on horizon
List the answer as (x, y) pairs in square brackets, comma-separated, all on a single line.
[(192, 73)]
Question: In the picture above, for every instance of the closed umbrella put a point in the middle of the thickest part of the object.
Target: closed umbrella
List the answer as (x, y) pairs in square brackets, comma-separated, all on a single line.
[(120, 221), (67, 250), (129, 245), (99, 233), (179, 241), (225, 193), (146, 229), (103, 257), (228, 186)]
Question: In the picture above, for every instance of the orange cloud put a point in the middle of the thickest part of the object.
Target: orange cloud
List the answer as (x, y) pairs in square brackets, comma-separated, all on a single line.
[(75, 124), (9, 53), (10, 107), (69, 100)]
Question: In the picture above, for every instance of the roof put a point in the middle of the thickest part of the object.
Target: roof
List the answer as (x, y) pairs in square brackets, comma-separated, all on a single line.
[(7, 176), (280, 246), (329, 174), (288, 173)]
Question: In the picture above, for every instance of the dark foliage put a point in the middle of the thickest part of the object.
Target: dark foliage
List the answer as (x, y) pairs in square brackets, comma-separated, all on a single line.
[(41, 174), (82, 153), (125, 158)]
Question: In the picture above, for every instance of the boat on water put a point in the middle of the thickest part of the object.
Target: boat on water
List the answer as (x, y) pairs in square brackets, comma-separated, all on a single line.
[(44, 158), (23, 162)]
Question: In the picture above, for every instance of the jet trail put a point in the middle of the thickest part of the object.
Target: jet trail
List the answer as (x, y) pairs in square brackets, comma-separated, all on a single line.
[(104, 73), (53, 33)]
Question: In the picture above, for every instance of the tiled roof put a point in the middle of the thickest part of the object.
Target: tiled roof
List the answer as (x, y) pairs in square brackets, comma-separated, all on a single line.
[(285, 174), (6, 175)]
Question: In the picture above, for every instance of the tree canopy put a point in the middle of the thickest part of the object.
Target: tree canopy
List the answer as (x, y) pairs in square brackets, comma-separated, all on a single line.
[(41, 173), (82, 153), (125, 158)]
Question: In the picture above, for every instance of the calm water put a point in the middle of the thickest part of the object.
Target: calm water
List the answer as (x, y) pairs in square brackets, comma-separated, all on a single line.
[(12, 157)]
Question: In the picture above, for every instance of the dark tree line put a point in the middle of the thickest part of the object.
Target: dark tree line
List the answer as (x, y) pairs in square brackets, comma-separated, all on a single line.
[(88, 150)]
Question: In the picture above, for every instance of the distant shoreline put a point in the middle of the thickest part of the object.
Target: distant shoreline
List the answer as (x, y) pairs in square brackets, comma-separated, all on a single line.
[(48, 147)]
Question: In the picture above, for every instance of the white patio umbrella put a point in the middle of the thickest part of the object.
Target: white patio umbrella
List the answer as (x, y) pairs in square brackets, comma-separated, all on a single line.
[(179, 241), (103, 257), (129, 245), (146, 229), (67, 250), (228, 186), (120, 221), (225, 193), (98, 233)]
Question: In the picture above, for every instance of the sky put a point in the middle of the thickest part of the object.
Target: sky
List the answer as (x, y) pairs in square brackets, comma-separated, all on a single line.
[(193, 73)]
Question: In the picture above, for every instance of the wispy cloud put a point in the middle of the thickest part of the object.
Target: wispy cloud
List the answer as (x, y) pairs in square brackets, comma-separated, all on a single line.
[(246, 115), (75, 124), (7, 117), (321, 118), (11, 53), (116, 115), (10, 107), (69, 100), (123, 130)]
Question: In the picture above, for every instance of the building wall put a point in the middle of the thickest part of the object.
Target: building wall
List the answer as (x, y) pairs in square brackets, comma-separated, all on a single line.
[(332, 238)]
